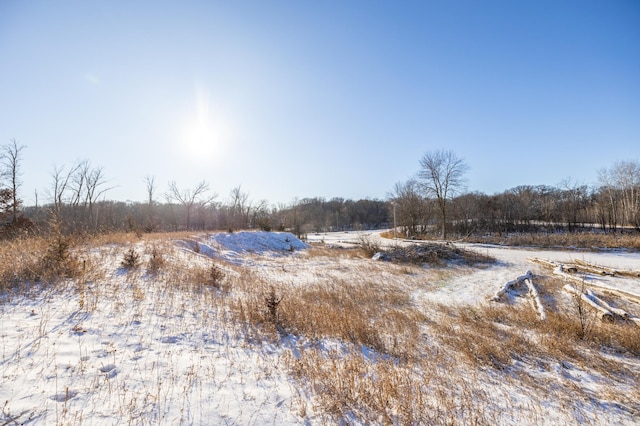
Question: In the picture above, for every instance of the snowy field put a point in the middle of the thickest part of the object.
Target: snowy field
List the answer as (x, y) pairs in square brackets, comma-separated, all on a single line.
[(181, 345)]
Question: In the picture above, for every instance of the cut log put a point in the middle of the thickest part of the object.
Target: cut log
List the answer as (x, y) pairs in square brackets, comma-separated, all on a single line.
[(620, 293), (609, 271), (603, 314), (496, 297), (595, 269), (527, 278), (543, 262), (619, 312), (559, 270), (535, 297), (552, 264)]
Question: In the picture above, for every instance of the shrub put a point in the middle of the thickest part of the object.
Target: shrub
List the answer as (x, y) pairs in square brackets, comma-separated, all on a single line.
[(216, 276), (131, 259), (156, 261), (272, 301), (58, 260)]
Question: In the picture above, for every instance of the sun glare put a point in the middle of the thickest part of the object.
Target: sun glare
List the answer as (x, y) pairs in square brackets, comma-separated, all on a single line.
[(201, 141), (205, 136)]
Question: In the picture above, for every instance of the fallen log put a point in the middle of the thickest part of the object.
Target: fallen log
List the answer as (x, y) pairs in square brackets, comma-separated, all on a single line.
[(527, 278), (543, 262), (617, 311), (589, 267), (609, 271), (552, 264), (535, 297), (559, 270), (617, 292), (603, 314), (496, 297)]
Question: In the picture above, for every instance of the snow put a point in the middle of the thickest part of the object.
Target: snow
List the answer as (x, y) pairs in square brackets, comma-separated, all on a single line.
[(234, 247), (142, 353)]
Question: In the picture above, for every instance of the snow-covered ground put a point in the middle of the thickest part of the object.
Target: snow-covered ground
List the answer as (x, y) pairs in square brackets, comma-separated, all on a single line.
[(476, 286), (125, 348)]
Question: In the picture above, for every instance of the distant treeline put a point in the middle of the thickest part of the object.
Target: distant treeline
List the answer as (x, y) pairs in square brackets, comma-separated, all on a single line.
[(301, 217), (76, 202), (521, 209)]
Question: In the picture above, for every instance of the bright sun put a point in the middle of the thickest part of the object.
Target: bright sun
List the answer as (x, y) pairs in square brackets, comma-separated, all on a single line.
[(205, 136), (201, 141)]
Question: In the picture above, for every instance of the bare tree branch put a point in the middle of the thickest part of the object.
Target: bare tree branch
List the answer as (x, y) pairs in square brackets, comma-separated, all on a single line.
[(442, 175)]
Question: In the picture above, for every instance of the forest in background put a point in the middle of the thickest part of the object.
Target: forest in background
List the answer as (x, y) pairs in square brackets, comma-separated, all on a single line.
[(433, 202)]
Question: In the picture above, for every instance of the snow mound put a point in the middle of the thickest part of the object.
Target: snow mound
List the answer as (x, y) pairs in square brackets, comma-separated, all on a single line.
[(260, 242)]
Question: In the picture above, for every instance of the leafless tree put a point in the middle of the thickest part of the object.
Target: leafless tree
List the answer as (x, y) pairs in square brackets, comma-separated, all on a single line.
[(412, 209), (573, 196), (61, 184), (442, 176), (260, 215), (150, 182), (621, 184), (240, 207), (80, 187), (95, 181), (190, 197), (11, 157)]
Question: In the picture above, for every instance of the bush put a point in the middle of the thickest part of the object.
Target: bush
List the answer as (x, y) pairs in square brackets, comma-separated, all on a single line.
[(156, 261), (216, 276), (131, 259)]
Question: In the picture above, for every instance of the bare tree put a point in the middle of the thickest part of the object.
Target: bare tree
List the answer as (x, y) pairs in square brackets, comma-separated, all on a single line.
[(240, 207), (260, 215), (573, 196), (190, 197), (621, 184), (61, 184), (411, 207), (11, 157), (80, 187), (94, 182), (442, 175), (150, 182)]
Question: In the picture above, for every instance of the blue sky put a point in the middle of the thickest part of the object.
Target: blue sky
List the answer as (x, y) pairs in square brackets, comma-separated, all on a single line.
[(308, 98)]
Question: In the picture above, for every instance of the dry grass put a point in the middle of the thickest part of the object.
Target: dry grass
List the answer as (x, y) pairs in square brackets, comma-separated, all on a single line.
[(357, 347), (356, 312), (395, 364), (586, 240), (38, 260)]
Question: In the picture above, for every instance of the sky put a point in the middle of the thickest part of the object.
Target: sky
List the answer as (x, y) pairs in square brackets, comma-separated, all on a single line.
[(296, 99)]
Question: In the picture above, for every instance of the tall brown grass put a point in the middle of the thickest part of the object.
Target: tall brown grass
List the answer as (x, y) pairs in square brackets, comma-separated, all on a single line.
[(584, 240)]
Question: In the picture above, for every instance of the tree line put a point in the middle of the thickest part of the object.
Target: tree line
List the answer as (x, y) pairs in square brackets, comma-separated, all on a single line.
[(433, 201)]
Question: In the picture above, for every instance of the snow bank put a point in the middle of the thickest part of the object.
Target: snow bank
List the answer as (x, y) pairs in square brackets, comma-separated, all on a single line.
[(257, 242), (234, 247)]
